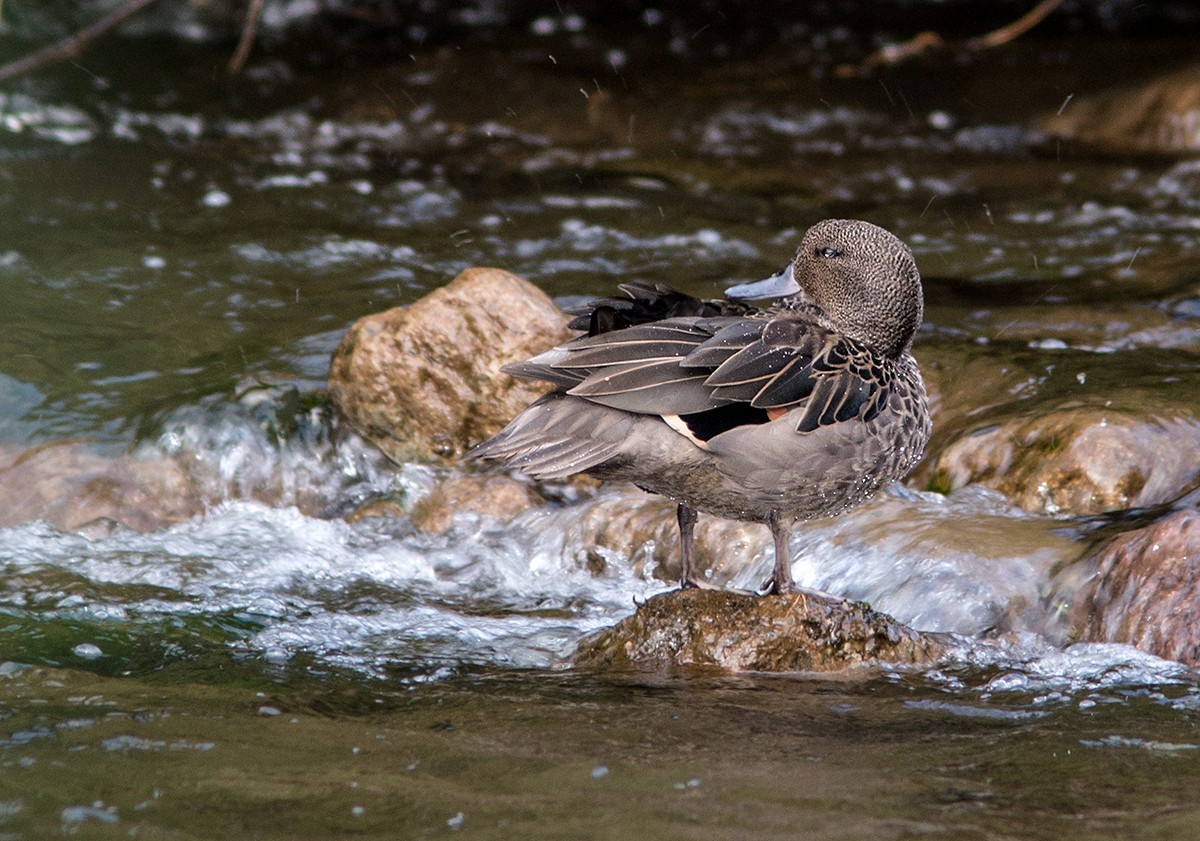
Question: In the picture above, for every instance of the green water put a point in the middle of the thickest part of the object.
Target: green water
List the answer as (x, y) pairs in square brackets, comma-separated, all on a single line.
[(582, 756)]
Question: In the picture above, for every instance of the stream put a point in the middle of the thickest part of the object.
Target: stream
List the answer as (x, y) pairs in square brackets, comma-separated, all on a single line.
[(199, 638)]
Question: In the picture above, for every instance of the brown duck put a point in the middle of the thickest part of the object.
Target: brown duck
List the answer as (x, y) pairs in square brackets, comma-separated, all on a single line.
[(792, 412)]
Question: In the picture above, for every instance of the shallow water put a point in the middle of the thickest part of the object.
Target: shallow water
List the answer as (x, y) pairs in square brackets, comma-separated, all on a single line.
[(179, 260), (580, 756)]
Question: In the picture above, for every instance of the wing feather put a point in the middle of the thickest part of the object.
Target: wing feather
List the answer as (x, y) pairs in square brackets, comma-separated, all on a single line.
[(791, 384), (689, 365), (653, 388)]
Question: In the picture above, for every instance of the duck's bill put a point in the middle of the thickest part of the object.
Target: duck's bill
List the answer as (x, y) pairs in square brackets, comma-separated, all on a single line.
[(778, 285)]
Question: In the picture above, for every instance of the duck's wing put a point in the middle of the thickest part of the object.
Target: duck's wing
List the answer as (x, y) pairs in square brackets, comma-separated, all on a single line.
[(646, 303), (655, 315), (796, 366), (721, 372), (637, 369)]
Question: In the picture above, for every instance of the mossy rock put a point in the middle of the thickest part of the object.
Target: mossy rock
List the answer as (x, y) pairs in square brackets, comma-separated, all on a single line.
[(742, 632)]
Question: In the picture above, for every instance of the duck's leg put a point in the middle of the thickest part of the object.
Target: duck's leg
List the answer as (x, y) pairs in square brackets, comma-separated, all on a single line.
[(687, 550), (687, 541), (781, 580), (781, 576)]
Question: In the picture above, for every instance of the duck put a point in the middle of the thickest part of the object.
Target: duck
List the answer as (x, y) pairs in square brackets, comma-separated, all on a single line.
[(799, 409)]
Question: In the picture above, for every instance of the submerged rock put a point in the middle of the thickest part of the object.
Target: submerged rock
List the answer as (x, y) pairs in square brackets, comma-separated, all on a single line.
[(743, 632), (73, 488), (1143, 588), (1159, 118), (1062, 432), (1076, 460), (498, 496), (424, 380)]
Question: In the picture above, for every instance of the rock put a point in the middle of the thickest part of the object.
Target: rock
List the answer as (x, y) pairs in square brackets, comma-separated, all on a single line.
[(1159, 118), (424, 380), (1062, 431), (379, 507), (1076, 460), (1143, 589), (495, 495), (743, 632), (73, 488), (965, 383)]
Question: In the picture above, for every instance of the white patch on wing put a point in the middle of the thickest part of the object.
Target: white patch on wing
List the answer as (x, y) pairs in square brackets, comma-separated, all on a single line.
[(550, 358), (680, 425)]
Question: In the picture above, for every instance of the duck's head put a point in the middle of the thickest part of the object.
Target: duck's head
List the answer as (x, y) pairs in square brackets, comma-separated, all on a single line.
[(862, 278)]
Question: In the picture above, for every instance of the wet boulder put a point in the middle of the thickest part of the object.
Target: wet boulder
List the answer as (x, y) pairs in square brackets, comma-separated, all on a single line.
[(640, 529), (1142, 588), (1076, 460), (74, 488), (494, 495), (743, 632), (1063, 431), (1159, 118), (424, 380)]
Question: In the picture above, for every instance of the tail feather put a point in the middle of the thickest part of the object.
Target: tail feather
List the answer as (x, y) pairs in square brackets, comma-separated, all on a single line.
[(556, 437)]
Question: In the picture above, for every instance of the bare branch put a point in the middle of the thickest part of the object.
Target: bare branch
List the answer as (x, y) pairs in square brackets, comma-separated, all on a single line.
[(1015, 29), (73, 45), (249, 33), (890, 54)]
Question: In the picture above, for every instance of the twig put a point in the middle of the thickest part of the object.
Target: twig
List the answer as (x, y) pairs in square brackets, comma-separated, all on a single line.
[(890, 54), (249, 33), (1015, 29), (74, 45)]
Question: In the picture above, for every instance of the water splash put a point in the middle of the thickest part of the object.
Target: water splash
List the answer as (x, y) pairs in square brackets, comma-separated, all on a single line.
[(970, 563), (378, 596)]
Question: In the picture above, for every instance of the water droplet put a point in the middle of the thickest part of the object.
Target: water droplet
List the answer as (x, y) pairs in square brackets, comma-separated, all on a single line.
[(88, 651), (940, 120)]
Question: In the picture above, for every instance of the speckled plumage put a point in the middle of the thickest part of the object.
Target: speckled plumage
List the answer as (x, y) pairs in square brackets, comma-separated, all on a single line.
[(797, 411)]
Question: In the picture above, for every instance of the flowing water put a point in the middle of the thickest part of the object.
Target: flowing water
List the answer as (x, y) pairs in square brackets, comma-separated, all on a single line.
[(220, 650)]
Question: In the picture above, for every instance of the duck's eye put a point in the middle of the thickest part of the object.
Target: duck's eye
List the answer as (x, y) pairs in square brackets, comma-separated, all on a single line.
[(828, 252)]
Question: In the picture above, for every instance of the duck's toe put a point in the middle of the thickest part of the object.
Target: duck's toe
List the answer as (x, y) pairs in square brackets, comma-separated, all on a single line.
[(771, 588)]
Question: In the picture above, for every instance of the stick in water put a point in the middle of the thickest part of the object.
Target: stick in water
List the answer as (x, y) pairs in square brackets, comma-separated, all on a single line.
[(73, 45)]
